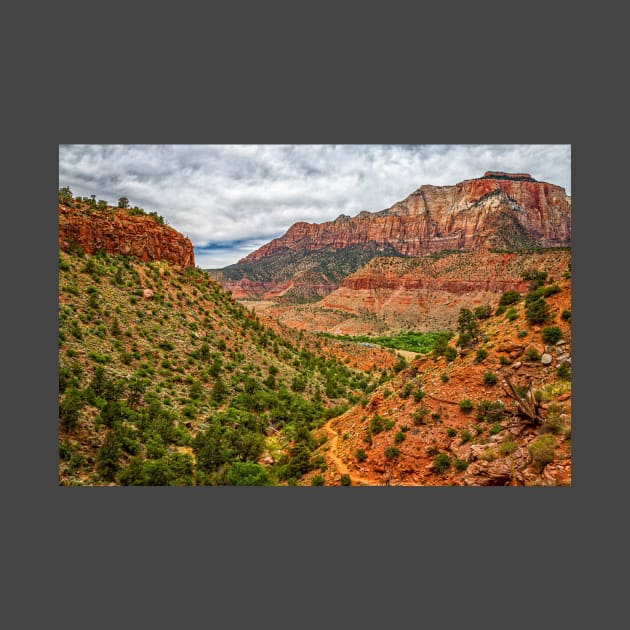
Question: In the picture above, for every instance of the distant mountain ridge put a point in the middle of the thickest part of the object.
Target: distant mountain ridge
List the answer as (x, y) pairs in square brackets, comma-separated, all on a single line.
[(498, 211)]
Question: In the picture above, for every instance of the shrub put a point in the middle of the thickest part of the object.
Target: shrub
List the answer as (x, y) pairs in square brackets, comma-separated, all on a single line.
[(500, 310), (536, 278), (495, 428), (542, 450), (460, 464), (376, 424), (511, 314), (551, 334), (248, 474), (391, 452), (70, 408), (345, 480), (465, 436), (444, 378), (107, 461), (406, 390), (441, 463), (490, 411), (507, 447), (450, 353), (482, 353), (532, 355), (466, 405), (503, 360), (419, 415), (566, 315), (451, 432), (509, 297), (490, 378), (537, 311), (360, 455), (521, 334), (467, 322), (550, 290), (553, 424), (418, 395), (317, 480), (483, 312), (399, 437), (564, 371)]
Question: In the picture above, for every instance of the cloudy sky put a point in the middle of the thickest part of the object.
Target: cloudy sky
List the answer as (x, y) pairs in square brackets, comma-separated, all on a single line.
[(231, 199)]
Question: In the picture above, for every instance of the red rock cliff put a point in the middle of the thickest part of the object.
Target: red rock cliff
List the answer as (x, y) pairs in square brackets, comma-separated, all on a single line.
[(468, 215), (118, 232)]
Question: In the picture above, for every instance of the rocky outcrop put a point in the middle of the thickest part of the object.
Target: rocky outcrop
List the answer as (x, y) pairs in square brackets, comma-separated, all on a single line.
[(117, 232), (427, 294), (498, 210)]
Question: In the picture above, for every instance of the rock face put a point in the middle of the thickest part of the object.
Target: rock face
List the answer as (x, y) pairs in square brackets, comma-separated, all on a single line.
[(490, 211), (500, 211), (118, 232), (426, 293)]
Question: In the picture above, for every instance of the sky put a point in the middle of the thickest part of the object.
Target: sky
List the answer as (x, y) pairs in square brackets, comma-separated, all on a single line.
[(231, 199)]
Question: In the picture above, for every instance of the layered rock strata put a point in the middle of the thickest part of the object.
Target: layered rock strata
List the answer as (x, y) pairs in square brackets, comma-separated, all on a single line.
[(117, 232)]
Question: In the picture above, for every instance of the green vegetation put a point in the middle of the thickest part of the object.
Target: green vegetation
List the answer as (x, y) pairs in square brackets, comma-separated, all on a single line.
[(542, 450), (441, 463), (482, 353), (466, 405), (489, 378), (536, 278), (89, 205), (421, 342), (509, 297), (391, 452), (185, 388), (507, 447), (563, 372), (345, 480), (531, 354), (490, 411), (551, 334)]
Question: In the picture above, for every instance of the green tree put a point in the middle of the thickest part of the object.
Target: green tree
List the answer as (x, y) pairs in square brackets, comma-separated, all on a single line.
[(537, 311), (509, 297), (219, 391), (70, 408), (107, 460), (248, 474), (467, 323), (65, 196), (123, 202), (551, 334)]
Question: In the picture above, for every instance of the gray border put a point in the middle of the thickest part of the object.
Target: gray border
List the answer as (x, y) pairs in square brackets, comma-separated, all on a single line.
[(368, 77)]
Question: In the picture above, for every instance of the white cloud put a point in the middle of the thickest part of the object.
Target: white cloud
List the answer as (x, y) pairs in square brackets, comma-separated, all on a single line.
[(217, 194)]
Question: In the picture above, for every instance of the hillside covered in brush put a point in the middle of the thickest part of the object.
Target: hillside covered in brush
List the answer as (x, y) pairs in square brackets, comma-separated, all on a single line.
[(164, 379), (489, 404)]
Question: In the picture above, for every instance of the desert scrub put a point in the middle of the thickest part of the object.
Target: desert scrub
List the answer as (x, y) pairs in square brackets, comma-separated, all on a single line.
[(532, 355), (551, 334), (507, 447), (542, 450), (391, 452), (490, 378), (466, 405), (441, 463), (482, 353)]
